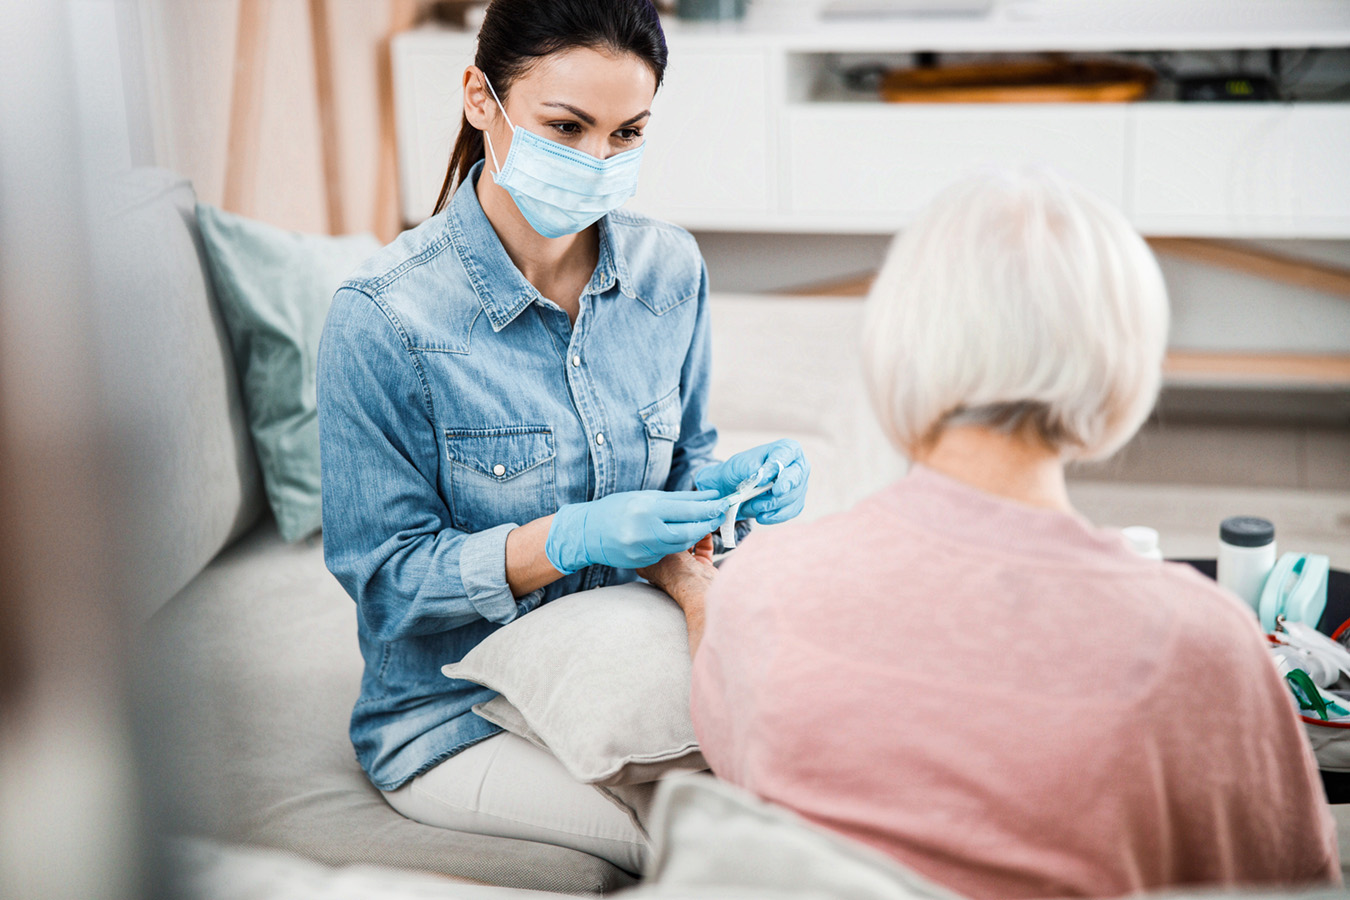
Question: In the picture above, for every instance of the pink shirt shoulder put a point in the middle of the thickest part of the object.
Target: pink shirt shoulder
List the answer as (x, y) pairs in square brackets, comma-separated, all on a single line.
[(1008, 700)]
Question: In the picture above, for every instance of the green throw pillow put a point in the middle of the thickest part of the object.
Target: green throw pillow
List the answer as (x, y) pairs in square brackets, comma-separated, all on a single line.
[(274, 287)]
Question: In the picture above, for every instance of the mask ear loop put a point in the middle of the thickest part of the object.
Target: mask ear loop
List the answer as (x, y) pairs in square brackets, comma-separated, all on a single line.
[(487, 136)]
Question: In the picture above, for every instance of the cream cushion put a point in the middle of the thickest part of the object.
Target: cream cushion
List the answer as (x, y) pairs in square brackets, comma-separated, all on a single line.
[(600, 678)]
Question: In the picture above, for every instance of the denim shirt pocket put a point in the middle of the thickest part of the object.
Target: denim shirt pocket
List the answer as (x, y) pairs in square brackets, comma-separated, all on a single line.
[(661, 421), (500, 475)]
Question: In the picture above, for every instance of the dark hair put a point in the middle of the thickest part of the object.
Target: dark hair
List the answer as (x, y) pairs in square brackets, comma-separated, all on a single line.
[(515, 33)]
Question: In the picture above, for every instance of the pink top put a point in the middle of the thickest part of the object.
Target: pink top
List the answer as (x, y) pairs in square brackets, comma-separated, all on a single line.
[(1007, 700)]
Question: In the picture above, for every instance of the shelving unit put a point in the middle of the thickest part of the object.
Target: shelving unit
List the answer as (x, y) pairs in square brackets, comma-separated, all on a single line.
[(749, 133), (753, 131)]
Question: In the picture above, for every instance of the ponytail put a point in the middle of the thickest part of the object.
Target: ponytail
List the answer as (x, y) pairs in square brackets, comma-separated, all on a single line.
[(467, 151)]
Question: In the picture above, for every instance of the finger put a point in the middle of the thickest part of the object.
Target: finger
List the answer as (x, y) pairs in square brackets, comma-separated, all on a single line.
[(687, 511), (710, 476), (686, 506), (785, 451), (773, 502), (744, 464), (777, 516), (761, 505), (683, 535), (794, 476), (705, 494), (775, 499)]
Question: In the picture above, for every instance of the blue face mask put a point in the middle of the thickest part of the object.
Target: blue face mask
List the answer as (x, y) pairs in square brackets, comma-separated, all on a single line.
[(557, 189)]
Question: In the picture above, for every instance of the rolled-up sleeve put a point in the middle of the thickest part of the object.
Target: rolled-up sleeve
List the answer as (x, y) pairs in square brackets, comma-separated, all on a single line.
[(388, 537), (482, 571)]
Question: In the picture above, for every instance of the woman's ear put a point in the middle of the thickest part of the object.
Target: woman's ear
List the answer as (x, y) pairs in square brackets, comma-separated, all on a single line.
[(478, 103)]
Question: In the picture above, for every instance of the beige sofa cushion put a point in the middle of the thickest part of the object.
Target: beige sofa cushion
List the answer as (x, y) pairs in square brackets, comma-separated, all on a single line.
[(192, 483), (252, 673)]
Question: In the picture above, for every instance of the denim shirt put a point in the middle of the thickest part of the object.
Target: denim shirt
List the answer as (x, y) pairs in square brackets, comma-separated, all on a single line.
[(455, 403)]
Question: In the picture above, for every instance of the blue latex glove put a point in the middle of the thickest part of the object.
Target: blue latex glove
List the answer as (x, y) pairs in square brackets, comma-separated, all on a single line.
[(632, 529), (789, 490)]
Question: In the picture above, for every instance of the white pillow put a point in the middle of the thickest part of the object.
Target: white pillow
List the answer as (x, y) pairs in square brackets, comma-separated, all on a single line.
[(600, 678)]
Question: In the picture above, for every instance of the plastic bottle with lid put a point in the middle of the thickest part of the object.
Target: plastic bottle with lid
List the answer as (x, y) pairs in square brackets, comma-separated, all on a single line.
[(1246, 556), (1143, 540)]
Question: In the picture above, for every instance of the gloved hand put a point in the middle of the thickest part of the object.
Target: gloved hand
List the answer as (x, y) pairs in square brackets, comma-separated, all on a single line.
[(630, 529), (789, 490)]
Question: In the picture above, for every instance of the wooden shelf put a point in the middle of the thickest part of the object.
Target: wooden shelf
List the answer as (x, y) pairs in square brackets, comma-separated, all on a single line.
[(1269, 266), (1197, 368), (1191, 368)]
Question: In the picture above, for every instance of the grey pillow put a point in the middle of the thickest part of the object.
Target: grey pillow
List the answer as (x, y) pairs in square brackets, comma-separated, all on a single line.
[(600, 678), (274, 288)]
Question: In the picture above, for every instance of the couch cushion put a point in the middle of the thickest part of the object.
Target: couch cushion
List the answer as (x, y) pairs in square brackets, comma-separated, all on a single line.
[(253, 670), (193, 483)]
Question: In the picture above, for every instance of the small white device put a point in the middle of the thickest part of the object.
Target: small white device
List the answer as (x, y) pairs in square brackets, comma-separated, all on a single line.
[(746, 490)]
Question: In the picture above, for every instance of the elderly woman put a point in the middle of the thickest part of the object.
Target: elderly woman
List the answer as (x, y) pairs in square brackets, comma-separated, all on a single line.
[(961, 671)]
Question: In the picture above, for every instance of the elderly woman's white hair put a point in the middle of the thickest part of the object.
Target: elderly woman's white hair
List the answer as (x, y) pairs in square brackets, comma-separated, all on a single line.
[(1018, 301)]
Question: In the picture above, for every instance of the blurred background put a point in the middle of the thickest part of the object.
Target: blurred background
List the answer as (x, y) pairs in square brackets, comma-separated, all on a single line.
[(792, 138), (774, 142)]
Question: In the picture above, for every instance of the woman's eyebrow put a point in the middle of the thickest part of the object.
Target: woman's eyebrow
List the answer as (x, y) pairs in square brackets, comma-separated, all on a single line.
[(587, 117)]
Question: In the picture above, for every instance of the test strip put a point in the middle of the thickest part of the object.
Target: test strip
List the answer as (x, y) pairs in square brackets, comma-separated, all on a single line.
[(741, 495)]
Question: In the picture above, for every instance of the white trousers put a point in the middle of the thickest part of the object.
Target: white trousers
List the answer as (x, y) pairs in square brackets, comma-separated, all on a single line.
[(507, 787)]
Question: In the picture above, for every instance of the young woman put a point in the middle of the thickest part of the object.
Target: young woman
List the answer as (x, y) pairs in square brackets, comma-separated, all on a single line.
[(513, 407)]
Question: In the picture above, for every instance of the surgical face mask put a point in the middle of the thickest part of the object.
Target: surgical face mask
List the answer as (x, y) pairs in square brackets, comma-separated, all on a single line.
[(557, 189)]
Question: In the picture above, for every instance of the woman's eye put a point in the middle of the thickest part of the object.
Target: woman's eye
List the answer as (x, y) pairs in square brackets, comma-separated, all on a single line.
[(568, 128), (629, 134)]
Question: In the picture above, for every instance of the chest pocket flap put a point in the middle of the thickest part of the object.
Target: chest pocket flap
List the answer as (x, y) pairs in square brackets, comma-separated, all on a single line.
[(500, 453), (662, 418), (500, 475)]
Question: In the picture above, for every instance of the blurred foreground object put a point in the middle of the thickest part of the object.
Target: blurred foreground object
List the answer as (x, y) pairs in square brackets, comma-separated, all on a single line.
[(70, 823)]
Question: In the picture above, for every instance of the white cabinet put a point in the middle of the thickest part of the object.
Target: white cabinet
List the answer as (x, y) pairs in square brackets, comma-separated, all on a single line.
[(1255, 170), (744, 138), (710, 146), (429, 105), (867, 167)]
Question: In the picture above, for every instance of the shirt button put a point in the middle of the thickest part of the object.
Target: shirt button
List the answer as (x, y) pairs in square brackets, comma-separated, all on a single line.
[(600, 437), (499, 470), (576, 361)]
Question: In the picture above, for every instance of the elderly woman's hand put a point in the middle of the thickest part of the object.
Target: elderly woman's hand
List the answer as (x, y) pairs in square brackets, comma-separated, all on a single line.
[(683, 574), (686, 577)]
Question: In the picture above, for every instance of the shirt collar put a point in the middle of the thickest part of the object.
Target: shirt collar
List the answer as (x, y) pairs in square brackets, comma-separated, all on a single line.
[(502, 289)]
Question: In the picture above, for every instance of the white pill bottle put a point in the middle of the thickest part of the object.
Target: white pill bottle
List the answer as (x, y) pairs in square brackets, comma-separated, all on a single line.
[(1143, 540), (1246, 556)]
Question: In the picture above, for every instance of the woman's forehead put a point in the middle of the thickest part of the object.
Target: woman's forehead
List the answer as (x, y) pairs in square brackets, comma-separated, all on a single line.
[(605, 85)]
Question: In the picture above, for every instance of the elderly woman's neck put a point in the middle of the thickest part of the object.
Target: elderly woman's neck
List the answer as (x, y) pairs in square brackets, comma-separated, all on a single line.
[(1005, 465)]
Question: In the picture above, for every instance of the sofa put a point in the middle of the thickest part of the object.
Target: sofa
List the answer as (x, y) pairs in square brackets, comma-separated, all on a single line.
[(249, 660), (247, 653)]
